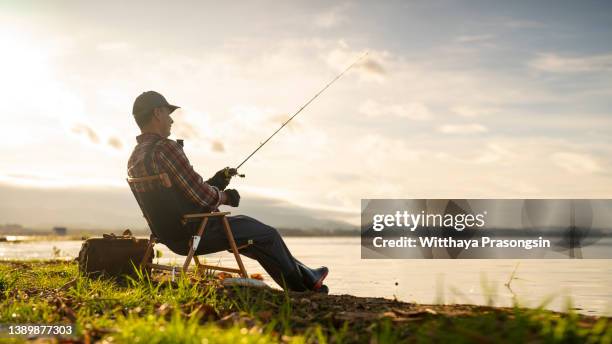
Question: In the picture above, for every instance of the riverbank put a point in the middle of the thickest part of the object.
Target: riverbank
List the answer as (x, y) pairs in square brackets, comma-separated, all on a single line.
[(44, 235), (191, 309)]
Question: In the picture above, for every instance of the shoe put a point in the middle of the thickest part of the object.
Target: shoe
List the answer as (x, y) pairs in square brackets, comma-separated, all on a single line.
[(323, 290), (313, 278)]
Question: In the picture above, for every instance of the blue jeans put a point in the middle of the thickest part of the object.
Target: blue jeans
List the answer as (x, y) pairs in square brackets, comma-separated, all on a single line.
[(268, 248)]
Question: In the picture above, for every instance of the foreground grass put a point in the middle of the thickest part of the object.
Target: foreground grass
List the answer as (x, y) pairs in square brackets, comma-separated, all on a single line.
[(199, 310)]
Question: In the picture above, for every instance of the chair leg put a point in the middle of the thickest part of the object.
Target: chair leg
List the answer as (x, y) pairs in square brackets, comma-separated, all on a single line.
[(145, 258), (192, 249), (196, 260), (230, 238)]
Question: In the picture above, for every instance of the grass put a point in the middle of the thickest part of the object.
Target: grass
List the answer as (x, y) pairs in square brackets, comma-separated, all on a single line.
[(199, 310), (178, 329)]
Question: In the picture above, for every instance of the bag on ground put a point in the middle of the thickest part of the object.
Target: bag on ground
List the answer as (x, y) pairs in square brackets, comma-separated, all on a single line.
[(112, 255)]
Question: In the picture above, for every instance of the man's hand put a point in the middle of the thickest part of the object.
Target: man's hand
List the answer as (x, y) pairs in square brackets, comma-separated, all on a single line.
[(222, 178), (233, 197)]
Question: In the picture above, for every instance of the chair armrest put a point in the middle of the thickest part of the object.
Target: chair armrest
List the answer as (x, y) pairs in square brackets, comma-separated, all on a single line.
[(203, 215)]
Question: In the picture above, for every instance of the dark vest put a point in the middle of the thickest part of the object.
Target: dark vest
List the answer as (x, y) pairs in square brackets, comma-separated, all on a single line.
[(164, 207)]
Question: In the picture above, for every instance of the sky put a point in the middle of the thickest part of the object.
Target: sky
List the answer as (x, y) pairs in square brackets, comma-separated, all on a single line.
[(456, 99)]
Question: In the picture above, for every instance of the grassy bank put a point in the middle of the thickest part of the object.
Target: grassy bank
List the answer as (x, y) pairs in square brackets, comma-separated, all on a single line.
[(199, 310)]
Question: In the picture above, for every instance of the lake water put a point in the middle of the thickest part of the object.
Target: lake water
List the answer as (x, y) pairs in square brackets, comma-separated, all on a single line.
[(588, 282)]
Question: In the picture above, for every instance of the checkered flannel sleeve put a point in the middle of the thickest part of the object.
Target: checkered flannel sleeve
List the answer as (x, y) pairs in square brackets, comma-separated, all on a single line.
[(173, 160)]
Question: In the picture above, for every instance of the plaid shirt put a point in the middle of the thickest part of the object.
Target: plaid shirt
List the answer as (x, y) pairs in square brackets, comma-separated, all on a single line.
[(169, 157)]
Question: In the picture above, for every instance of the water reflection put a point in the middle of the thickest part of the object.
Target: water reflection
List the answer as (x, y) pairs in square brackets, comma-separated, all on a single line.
[(588, 282)]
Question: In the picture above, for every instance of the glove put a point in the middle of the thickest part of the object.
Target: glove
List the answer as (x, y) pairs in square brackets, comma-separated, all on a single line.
[(233, 197), (222, 178)]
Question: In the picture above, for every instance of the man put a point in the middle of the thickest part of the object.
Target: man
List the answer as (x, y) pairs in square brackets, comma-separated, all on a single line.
[(155, 153)]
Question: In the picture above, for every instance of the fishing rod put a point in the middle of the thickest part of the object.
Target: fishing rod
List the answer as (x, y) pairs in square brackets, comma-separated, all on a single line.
[(230, 172)]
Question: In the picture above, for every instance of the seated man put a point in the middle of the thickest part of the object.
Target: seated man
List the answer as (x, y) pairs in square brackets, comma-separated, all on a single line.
[(155, 154)]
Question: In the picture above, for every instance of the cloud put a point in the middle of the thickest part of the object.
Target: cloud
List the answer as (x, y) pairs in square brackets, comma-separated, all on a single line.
[(278, 73), (217, 146), (109, 46), (496, 153), (370, 65), (414, 111), (280, 119), (95, 138), (332, 17), (383, 152), (115, 143), (185, 130), (56, 180), (473, 111), (474, 38), (463, 129), (371, 68), (523, 24), (554, 63), (576, 163), (87, 131)]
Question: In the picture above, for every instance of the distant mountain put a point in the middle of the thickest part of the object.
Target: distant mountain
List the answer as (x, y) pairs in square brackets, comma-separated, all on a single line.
[(10, 228), (101, 208)]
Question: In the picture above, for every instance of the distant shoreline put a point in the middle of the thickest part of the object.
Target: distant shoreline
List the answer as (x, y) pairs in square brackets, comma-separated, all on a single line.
[(83, 235)]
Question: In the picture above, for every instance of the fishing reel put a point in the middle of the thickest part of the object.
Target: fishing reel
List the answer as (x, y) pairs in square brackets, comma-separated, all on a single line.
[(231, 172)]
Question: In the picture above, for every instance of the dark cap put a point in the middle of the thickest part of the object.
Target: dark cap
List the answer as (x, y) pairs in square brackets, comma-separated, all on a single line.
[(147, 101)]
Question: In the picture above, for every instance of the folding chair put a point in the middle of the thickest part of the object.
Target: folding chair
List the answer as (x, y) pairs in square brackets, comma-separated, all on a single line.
[(162, 209)]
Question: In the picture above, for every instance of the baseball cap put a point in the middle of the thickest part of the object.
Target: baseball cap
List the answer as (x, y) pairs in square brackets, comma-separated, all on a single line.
[(147, 101)]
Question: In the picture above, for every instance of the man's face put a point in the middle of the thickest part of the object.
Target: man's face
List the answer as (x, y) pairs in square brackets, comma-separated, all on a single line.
[(164, 121)]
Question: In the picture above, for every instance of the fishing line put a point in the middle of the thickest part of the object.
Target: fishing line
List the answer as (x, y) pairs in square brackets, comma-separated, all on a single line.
[(235, 170)]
